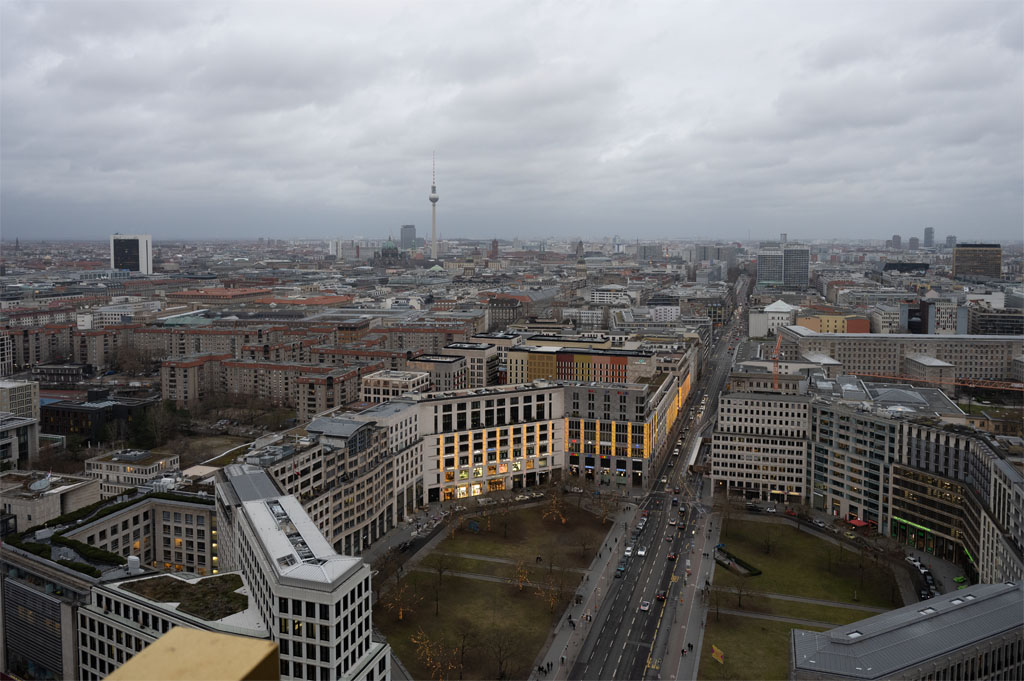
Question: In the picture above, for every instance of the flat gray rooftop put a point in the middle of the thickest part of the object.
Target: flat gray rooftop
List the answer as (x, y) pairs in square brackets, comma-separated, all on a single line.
[(881, 646)]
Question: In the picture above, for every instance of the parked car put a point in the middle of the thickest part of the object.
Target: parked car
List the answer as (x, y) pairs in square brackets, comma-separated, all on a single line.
[(849, 535), (819, 523), (629, 551)]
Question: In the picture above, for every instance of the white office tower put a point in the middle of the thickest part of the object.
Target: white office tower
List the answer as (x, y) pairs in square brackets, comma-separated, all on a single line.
[(314, 601), (132, 252)]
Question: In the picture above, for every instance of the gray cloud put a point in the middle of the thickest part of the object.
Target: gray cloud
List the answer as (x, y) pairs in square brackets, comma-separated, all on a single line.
[(195, 119)]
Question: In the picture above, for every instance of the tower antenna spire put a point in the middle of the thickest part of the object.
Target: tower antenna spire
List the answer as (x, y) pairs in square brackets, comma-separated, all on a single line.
[(433, 205)]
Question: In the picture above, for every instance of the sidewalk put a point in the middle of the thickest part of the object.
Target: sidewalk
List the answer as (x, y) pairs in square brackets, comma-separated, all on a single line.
[(567, 639)]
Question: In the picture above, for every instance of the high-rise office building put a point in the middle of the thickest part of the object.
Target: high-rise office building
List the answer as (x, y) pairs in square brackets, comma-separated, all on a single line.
[(783, 237), (796, 266), (929, 237), (914, 243), (770, 267), (133, 252), (408, 238), (950, 241), (977, 260), (897, 242)]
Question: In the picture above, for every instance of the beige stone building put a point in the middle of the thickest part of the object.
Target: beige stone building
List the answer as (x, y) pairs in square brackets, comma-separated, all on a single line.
[(35, 498), (128, 469), (381, 386)]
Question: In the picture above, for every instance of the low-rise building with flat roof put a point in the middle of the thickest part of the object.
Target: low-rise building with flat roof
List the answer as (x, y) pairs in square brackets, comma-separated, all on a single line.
[(973, 633)]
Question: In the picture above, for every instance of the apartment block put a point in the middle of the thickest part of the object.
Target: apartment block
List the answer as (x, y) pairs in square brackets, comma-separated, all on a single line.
[(759, 446), (385, 385), (190, 380), (490, 439), (356, 475), (19, 441), (481, 362), (618, 433), (447, 372), (975, 357), (314, 602), (556, 363), (20, 398), (977, 260)]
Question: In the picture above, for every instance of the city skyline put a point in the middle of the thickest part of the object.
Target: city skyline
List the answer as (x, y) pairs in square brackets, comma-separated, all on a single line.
[(733, 122)]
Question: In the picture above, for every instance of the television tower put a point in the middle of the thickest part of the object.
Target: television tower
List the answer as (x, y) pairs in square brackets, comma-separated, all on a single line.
[(433, 208)]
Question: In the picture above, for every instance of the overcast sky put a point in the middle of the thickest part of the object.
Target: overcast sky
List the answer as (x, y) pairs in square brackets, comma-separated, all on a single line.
[(653, 119)]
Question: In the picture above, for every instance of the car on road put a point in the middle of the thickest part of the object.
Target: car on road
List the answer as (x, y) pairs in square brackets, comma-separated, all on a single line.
[(770, 509), (668, 537), (671, 556), (924, 594), (819, 523), (664, 479), (660, 596), (849, 535), (913, 561), (675, 490), (645, 606), (960, 580), (629, 551), (642, 551), (671, 521)]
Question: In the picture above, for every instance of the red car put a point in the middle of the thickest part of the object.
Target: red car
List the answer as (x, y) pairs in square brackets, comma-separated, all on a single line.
[(791, 512), (645, 513)]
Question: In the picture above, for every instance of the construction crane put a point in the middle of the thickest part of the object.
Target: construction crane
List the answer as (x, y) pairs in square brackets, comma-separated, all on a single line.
[(775, 362), (963, 382)]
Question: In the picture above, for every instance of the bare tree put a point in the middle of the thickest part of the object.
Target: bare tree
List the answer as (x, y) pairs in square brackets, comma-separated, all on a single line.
[(466, 635), (436, 656), (828, 551), (401, 600), (769, 535), (742, 589), (502, 646), (520, 575), (556, 509), (441, 566)]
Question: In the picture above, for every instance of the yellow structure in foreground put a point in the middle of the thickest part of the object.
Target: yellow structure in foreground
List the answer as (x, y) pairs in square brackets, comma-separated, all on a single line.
[(184, 654)]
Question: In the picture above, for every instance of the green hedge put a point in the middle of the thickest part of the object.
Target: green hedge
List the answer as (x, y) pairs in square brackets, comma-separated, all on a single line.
[(90, 552), (80, 567), (41, 550)]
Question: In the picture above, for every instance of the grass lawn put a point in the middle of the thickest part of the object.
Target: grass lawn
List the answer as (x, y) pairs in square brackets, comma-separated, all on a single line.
[(754, 648), (801, 564), (505, 626), (497, 619), (530, 535), (795, 609), (212, 598), (536, 573), (996, 411), (203, 447)]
